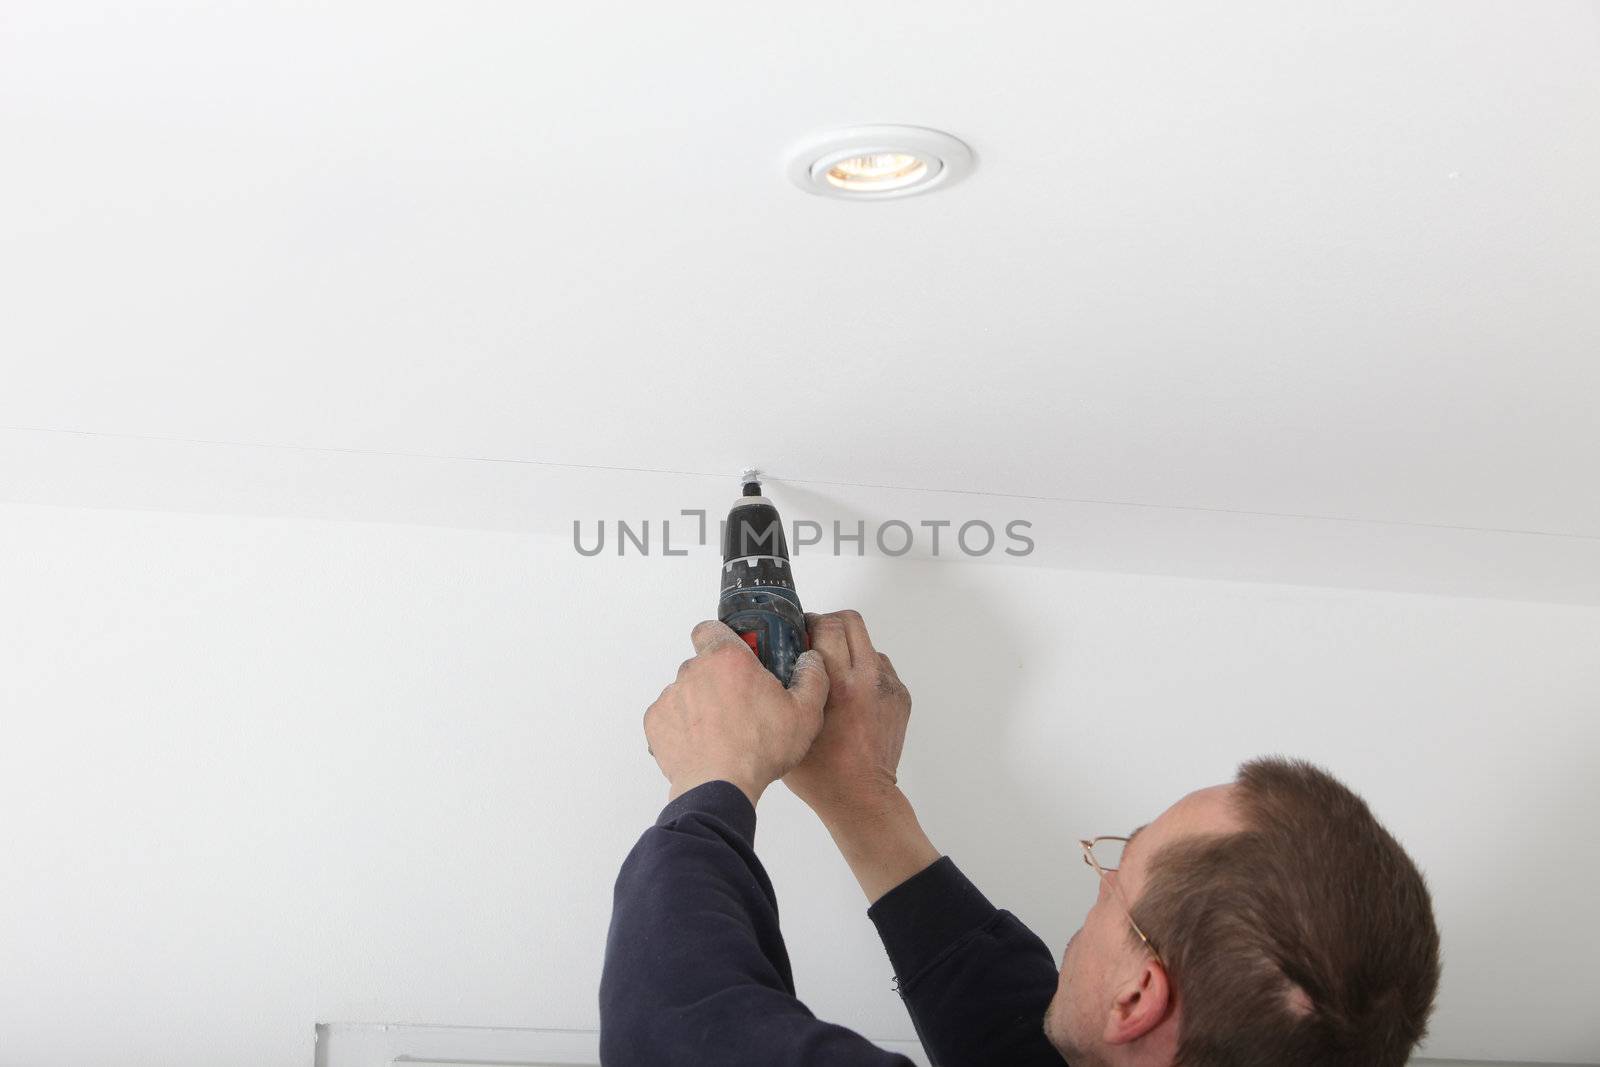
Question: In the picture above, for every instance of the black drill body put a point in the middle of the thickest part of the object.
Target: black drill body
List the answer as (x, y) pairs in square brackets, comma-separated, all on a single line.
[(758, 599)]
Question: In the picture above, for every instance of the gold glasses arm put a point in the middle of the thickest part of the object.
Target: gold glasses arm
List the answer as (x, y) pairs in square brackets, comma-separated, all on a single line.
[(1088, 857)]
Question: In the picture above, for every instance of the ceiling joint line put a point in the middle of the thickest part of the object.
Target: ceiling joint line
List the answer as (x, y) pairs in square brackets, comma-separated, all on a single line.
[(778, 477)]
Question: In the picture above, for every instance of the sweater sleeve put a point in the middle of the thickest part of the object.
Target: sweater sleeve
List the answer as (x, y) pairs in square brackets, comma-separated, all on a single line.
[(974, 979), (696, 972)]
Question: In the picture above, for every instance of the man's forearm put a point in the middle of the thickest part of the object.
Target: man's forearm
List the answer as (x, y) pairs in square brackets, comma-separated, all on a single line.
[(696, 972), (883, 847)]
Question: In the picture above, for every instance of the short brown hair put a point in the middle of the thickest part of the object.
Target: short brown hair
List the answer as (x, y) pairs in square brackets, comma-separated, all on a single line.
[(1308, 938)]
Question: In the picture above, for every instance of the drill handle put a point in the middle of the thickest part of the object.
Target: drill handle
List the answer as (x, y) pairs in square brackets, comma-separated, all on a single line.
[(772, 625)]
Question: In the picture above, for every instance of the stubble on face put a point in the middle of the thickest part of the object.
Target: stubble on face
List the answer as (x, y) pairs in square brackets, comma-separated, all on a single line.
[(1058, 1017)]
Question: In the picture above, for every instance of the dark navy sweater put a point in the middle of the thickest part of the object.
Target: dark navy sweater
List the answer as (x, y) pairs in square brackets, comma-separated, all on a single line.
[(696, 972)]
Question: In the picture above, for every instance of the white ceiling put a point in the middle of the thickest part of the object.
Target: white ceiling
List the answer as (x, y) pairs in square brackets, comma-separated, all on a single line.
[(1292, 259), (1273, 291)]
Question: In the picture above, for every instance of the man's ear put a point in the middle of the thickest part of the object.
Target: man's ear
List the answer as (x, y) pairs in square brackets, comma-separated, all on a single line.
[(1141, 1005)]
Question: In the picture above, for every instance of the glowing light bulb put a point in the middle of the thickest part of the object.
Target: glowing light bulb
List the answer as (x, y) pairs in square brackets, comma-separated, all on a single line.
[(874, 163), (875, 173)]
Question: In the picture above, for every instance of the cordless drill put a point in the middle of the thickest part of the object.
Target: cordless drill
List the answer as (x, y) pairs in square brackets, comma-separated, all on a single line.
[(758, 600)]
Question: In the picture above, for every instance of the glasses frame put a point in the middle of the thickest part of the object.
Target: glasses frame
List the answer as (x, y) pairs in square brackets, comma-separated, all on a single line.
[(1088, 858)]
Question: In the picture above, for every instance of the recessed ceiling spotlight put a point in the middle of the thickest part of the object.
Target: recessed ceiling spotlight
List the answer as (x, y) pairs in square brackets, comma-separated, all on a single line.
[(878, 162)]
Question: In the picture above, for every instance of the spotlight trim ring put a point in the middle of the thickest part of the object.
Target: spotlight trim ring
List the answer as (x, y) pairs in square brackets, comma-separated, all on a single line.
[(948, 160)]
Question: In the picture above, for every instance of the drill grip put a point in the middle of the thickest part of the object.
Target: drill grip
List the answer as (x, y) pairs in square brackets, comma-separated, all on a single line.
[(772, 625)]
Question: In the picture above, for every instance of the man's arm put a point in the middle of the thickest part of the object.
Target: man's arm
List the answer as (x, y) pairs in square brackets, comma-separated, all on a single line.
[(696, 972), (974, 979)]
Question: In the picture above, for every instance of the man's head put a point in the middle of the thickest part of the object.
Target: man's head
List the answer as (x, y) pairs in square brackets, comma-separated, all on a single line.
[(1286, 925)]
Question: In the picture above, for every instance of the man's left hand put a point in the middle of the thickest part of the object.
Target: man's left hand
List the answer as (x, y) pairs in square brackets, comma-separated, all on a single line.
[(726, 717)]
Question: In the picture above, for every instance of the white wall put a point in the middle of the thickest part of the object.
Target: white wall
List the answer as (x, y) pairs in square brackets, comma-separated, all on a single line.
[(259, 774)]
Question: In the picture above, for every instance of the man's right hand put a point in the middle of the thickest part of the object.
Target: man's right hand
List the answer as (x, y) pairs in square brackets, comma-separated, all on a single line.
[(850, 772), (849, 776)]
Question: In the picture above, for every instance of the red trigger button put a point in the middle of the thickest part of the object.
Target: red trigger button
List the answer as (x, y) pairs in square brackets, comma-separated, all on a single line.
[(750, 638)]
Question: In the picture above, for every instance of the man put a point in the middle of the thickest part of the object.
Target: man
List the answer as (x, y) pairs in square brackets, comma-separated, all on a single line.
[(1268, 921)]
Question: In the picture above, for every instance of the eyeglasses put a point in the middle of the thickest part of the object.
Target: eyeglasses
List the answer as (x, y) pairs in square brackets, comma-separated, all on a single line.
[(1104, 854)]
